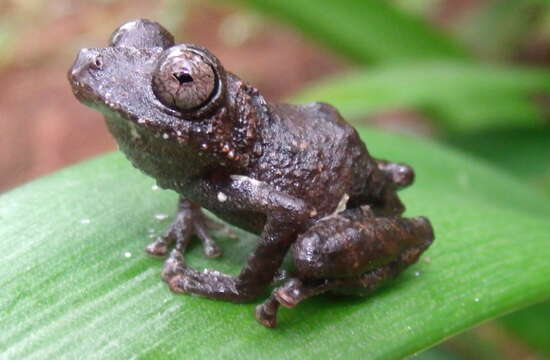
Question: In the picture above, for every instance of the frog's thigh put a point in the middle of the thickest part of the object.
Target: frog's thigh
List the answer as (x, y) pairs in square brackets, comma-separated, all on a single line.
[(370, 281)]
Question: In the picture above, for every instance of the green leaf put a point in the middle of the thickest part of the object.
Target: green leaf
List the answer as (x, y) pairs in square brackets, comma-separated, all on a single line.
[(434, 354), (73, 288), (364, 30), (531, 326), (461, 96), (522, 151)]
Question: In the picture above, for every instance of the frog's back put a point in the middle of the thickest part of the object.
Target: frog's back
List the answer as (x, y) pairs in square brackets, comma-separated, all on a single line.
[(314, 154)]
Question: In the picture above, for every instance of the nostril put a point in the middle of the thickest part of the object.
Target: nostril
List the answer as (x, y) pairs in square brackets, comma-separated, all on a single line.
[(97, 62), (88, 60)]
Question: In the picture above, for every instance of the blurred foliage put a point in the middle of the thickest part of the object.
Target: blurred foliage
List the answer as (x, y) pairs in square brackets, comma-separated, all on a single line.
[(172, 13), (459, 96), (7, 39), (521, 150), (472, 345), (365, 31), (531, 326), (417, 7), (497, 27)]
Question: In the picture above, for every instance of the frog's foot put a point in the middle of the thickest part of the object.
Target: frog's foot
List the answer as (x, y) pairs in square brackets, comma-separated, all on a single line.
[(189, 221), (289, 295), (266, 313), (209, 283)]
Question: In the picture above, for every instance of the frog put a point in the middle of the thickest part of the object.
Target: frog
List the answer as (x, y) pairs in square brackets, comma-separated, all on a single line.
[(283, 172)]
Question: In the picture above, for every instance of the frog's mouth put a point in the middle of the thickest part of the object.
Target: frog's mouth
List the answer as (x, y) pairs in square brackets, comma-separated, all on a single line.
[(87, 96), (84, 93)]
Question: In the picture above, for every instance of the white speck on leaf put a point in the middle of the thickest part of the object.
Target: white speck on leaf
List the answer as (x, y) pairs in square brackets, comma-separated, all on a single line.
[(155, 187), (85, 221), (161, 217), (417, 273), (222, 197), (476, 299), (127, 254)]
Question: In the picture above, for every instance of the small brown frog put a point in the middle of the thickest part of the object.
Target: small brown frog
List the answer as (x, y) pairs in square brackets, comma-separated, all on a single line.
[(297, 175)]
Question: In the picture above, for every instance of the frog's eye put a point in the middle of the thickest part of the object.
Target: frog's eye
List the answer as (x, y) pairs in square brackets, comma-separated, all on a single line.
[(183, 80)]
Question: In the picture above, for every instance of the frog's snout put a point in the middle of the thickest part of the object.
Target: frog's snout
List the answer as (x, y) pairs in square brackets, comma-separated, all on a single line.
[(87, 59), (81, 74)]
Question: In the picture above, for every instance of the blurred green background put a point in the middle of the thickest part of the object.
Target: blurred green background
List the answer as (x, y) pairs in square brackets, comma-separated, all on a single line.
[(471, 74)]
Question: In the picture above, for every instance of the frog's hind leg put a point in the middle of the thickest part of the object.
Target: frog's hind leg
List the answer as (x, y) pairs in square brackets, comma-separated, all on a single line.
[(372, 280), (189, 221), (295, 290)]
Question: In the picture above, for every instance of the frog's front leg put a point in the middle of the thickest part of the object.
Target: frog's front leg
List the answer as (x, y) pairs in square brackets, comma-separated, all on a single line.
[(189, 221), (285, 217)]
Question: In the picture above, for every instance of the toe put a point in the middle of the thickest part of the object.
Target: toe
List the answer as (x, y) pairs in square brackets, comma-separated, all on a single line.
[(177, 283), (173, 265), (212, 250), (157, 248), (265, 318)]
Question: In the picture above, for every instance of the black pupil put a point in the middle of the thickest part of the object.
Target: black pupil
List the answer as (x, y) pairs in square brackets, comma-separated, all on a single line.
[(183, 77)]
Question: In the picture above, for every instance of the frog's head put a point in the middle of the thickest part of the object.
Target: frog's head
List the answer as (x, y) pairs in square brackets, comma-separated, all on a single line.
[(143, 76), (164, 95)]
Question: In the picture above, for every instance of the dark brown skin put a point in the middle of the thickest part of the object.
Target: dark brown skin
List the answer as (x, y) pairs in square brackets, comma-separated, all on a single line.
[(284, 172), (353, 252)]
